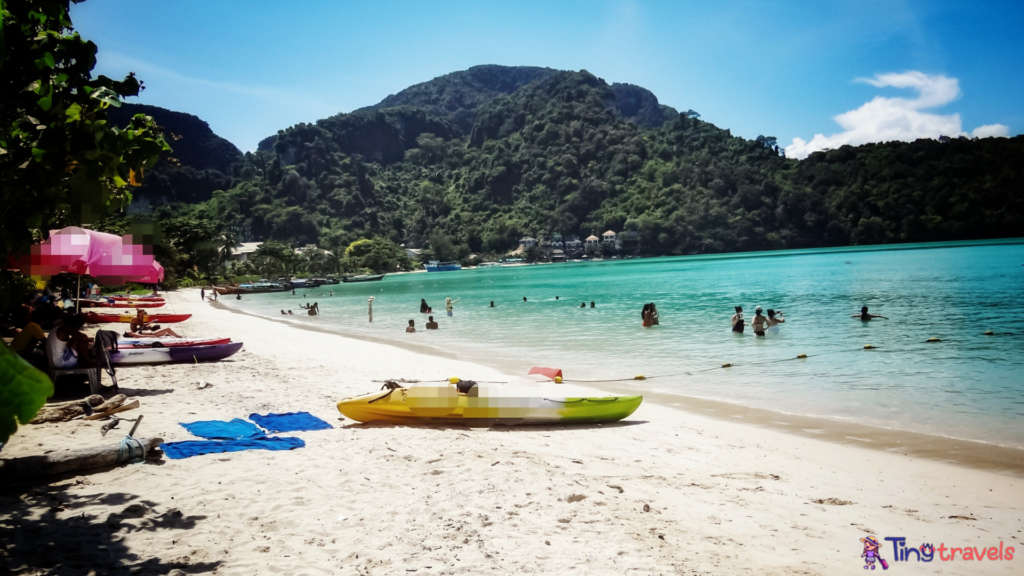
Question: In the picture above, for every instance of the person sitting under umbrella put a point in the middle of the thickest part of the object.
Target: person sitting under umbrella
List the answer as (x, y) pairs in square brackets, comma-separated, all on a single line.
[(66, 346)]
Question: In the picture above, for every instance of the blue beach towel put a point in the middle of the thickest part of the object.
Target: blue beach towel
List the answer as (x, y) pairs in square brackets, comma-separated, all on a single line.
[(219, 430), (179, 450), (289, 422)]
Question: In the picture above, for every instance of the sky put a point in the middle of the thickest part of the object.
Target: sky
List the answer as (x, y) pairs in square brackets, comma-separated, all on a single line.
[(813, 74)]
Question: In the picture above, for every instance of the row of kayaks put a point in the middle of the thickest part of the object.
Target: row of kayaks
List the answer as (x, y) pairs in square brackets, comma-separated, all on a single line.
[(99, 318), (156, 350)]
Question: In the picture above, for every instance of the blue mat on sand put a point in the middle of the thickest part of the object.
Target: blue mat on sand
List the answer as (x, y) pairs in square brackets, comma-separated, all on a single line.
[(178, 450), (289, 422), (217, 430)]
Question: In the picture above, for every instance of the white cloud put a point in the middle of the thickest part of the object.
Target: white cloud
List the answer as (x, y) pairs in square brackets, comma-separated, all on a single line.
[(991, 131), (887, 119)]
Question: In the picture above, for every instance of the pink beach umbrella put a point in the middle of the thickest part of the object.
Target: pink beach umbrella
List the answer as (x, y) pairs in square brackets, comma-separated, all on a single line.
[(154, 276), (111, 259)]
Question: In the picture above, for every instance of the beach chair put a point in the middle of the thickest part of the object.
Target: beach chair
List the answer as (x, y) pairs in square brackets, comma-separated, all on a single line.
[(95, 386), (102, 348)]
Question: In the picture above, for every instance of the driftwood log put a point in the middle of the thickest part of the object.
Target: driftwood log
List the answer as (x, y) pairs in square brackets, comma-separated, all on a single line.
[(97, 415), (31, 467), (64, 411)]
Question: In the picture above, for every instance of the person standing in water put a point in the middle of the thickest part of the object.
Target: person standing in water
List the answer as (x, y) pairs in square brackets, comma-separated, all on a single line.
[(654, 314), (431, 325), (592, 305), (759, 322), (492, 303), (424, 309), (369, 306), (645, 316), (411, 327), (737, 320), (865, 317), (774, 319), (524, 298), (448, 305)]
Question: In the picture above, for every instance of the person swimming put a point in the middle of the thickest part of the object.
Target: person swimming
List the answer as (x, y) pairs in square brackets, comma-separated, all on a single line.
[(492, 303), (524, 298), (556, 297), (592, 305), (411, 327), (583, 304), (424, 308), (865, 317), (737, 320), (759, 322), (431, 325)]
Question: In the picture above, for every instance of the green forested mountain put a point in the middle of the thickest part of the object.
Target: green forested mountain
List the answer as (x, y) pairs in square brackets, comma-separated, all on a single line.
[(479, 158), (201, 162)]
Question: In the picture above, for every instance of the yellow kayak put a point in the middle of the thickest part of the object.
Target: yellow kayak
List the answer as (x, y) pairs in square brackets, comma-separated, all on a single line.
[(484, 406)]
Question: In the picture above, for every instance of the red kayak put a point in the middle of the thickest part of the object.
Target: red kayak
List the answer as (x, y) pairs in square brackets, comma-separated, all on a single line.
[(133, 343), (136, 298), (95, 318), (105, 304)]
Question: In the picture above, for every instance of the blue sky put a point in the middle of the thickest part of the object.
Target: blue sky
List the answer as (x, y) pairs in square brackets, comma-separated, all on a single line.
[(785, 69)]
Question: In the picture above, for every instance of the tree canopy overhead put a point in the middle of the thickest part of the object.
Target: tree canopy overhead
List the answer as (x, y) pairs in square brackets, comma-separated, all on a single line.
[(61, 161)]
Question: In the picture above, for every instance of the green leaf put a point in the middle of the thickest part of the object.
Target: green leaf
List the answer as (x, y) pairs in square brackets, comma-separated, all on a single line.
[(104, 94), (74, 112), (38, 154), (23, 391), (45, 61)]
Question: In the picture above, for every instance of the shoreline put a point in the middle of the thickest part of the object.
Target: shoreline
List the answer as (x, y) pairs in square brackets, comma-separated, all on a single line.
[(965, 452), (663, 492)]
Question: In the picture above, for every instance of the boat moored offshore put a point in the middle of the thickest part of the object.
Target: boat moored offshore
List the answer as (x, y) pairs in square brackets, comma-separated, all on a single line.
[(437, 266)]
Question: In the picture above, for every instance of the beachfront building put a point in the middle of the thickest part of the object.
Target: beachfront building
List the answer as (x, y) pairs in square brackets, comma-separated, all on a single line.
[(311, 248), (629, 240), (413, 254), (241, 252), (527, 242), (556, 242), (572, 245), (608, 237), (558, 255), (593, 240)]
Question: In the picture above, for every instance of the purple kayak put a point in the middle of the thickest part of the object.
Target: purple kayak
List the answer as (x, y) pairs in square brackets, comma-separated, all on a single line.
[(170, 354), (204, 353)]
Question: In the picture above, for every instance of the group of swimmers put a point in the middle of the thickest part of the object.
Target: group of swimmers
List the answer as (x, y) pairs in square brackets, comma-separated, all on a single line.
[(311, 309), (760, 323)]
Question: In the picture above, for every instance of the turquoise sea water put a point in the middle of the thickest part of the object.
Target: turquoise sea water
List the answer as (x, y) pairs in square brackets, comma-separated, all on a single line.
[(968, 386)]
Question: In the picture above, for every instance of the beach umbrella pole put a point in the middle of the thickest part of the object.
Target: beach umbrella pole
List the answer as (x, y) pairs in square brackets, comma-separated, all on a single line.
[(78, 293)]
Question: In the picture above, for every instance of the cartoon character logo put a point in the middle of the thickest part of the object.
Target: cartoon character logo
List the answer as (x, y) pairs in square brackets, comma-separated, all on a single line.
[(870, 554)]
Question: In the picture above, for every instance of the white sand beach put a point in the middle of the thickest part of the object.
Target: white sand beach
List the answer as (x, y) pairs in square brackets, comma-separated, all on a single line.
[(666, 491)]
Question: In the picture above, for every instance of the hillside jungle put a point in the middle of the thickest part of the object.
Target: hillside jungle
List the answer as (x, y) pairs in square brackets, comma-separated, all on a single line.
[(465, 165)]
